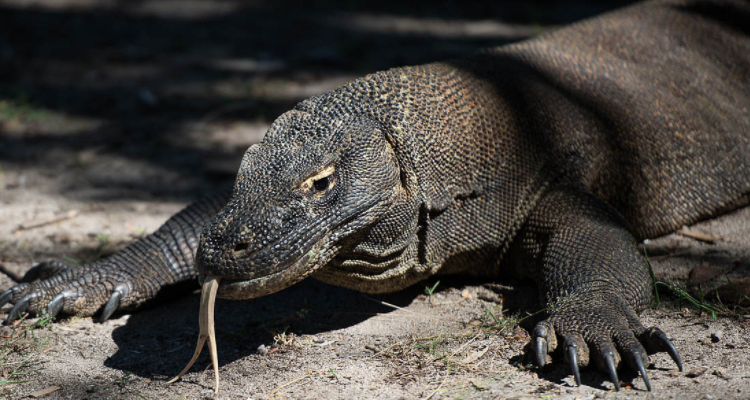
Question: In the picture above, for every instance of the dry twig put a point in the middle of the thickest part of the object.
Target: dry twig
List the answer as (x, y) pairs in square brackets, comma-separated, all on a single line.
[(33, 225)]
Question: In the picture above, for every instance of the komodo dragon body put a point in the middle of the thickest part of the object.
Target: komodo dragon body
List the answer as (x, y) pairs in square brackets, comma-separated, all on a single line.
[(546, 159)]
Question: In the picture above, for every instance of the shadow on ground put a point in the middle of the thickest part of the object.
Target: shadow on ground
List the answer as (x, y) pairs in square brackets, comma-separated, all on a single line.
[(160, 341), (142, 80)]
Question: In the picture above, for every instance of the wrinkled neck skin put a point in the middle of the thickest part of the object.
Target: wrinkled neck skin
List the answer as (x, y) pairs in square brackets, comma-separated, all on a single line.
[(460, 151), (443, 205)]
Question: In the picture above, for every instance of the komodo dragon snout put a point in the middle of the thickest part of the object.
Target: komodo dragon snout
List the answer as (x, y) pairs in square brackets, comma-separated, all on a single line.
[(309, 183)]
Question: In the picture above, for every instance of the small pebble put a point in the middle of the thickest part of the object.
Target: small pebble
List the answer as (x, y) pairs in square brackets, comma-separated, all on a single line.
[(262, 350)]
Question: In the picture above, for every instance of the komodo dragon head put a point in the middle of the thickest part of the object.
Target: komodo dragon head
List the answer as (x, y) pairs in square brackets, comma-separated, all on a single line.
[(315, 179), (327, 190), (321, 175)]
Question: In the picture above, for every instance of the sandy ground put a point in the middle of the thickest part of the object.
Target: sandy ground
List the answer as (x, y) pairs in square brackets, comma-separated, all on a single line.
[(117, 114)]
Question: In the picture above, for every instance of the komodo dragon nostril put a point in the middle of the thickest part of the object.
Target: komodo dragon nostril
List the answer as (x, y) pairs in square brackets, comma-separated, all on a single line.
[(240, 247)]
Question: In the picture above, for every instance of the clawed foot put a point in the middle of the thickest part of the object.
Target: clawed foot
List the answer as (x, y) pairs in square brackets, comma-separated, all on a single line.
[(59, 288), (605, 330)]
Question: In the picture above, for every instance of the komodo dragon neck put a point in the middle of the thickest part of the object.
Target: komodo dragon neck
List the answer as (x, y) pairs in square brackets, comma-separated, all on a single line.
[(470, 167)]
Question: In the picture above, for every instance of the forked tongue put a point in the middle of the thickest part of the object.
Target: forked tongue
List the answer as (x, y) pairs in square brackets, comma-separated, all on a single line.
[(206, 321)]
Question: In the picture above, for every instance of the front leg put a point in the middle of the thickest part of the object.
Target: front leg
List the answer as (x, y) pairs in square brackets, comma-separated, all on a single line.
[(123, 281), (593, 280)]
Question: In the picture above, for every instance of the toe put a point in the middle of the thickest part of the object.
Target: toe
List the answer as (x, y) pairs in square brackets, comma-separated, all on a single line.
[(18, 309), (14, 294), (576, 354), (57, 303), (545, 342), (45, 270), (638, 360), (5, 297), (610, 365), (120, 291), (655, 341)]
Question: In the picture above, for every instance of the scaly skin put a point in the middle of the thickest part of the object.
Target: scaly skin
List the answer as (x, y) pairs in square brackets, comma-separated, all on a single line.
[(547, 158), (124, 280)]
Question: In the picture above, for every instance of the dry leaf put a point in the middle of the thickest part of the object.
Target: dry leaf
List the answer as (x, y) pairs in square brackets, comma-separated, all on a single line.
[(474, 356), (44, 392)]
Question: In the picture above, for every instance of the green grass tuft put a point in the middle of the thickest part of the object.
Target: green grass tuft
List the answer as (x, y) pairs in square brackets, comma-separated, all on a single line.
[(23, 339), (430, 290), (21, 109)]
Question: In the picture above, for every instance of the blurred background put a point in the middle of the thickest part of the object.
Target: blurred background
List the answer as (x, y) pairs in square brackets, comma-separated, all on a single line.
[(161, 98)]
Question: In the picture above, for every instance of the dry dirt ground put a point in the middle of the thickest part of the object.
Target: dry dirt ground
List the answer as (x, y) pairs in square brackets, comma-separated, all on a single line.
[(114, 115)]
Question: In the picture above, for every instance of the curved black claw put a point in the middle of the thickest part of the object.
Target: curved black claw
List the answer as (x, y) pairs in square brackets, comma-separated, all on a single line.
[(642, 370), (670, 349), (541, 346), (113, 303), (18, 309), (5, 297), (54, 306), (111, 306), (571, 352), (609, 362), (541, 351)]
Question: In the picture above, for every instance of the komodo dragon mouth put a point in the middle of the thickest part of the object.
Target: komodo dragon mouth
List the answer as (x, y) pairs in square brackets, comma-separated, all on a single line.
[(215, 286), (286, 273), (296, 270)]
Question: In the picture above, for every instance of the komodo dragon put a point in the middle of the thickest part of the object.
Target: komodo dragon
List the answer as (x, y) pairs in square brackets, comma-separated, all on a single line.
[(547, 159)]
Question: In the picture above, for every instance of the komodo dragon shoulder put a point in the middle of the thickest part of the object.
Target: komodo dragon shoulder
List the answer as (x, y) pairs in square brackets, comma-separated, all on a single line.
[(546, 159)]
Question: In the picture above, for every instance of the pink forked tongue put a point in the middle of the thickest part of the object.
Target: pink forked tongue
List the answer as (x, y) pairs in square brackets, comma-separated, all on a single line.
[(206, 321)]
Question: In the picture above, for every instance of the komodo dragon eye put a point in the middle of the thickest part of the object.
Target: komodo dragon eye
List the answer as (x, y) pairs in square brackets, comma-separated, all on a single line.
[(320, 185)]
